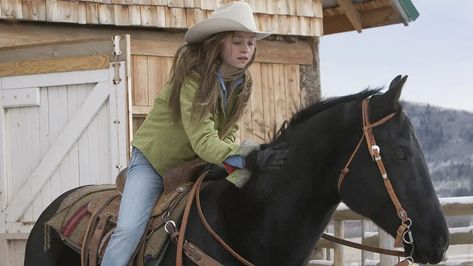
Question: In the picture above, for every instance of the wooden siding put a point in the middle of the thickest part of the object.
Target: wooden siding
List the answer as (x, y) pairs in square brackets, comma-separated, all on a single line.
[(149, 76), (286, 17), (275, 97), (64, 64), (144, 42)]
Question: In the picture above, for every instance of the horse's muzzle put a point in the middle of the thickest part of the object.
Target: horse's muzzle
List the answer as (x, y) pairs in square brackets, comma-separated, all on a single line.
[(435, 255)]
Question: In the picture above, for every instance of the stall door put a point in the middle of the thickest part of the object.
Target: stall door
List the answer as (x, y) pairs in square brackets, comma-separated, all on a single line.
[(61, 128)]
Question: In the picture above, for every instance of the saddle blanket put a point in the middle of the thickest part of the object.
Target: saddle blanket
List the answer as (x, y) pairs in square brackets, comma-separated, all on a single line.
[(90, 214)]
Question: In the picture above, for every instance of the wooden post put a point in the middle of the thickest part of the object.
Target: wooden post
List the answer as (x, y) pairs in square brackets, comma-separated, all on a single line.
[(365, 227), (338, 250), (328, 255), (3, 250), (387, 242), (310, 77)]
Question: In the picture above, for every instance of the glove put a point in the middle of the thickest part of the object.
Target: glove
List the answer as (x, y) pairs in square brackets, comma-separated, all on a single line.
[(270, 159)]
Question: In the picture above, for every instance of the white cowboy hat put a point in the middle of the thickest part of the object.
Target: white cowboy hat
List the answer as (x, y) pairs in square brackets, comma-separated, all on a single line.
[(235, 16)]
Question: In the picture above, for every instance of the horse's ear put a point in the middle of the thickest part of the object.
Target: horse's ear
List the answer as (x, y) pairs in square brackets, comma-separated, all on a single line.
[(390, 99), (395, 88)]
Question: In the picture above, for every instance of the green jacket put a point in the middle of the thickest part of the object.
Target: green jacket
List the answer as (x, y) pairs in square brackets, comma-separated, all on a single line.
[(166, 143)]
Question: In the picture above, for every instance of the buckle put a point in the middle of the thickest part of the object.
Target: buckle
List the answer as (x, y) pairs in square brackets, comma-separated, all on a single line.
[(375, 148), (173, 227)]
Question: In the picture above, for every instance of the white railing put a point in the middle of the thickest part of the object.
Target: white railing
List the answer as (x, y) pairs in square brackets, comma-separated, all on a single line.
[(333, 254)]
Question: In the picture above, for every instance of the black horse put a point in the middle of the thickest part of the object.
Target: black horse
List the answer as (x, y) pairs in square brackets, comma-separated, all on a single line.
[(277, 217)]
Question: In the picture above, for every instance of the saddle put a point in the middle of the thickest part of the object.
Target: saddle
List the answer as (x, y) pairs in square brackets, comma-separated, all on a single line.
[(87, 217)]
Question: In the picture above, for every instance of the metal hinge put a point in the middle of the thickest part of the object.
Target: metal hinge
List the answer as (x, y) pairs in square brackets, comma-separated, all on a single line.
[(116, 53)]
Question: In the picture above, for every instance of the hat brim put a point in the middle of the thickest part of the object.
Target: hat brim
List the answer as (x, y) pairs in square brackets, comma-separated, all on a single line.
[(204, 29)]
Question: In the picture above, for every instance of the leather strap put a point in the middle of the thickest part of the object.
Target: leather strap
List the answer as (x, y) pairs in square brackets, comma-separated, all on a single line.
[(84, 249), (96, 237), (170, 228), (400, 235), (363, 247), (185, 219), (191, 251), (212, 232), (198, 256), (375, 154), (345, 169)]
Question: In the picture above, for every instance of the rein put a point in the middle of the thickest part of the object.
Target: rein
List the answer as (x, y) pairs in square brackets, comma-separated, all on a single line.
[(198, 256), (404, 234)]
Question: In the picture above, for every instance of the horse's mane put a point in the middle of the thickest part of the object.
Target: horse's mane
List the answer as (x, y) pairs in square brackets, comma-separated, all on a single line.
[(316, 108)]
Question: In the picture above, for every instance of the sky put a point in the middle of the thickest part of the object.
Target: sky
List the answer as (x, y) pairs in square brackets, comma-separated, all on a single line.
[(435, 51)]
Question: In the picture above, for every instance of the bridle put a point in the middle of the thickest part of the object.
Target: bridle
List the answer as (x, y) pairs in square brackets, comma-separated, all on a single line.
[(404, 234)]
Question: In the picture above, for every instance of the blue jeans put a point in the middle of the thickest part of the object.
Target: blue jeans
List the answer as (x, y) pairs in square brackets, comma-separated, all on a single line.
[(143, 186)]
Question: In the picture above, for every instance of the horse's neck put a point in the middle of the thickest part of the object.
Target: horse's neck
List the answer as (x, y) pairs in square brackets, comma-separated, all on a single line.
[(295, 204)]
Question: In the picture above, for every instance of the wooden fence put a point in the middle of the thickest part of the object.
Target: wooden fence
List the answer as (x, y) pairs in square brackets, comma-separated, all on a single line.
[(333, 254)]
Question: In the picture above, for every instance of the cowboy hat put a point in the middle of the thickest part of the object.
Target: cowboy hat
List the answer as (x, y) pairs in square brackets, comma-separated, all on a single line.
[(235, 16)]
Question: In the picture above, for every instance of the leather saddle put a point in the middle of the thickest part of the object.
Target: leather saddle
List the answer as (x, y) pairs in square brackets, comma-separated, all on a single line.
[(173, 178), (101, 211)]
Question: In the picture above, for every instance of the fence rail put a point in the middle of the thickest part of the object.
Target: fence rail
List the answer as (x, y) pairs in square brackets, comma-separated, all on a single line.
[(454, 206)]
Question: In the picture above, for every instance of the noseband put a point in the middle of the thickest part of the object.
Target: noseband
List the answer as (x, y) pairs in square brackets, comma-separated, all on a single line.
[(404, 234)]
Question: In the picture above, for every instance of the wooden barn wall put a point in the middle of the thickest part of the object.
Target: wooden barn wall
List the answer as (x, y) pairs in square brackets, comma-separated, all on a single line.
[(276, 71), (276, 94), (288, 17)]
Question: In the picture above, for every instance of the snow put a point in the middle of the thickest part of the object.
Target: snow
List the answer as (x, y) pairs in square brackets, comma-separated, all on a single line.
[(443, 201), (457, 263), (456, 200), (320, 262), (461, 230)]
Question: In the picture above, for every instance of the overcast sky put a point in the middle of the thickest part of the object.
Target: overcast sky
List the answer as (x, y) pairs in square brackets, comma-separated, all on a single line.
[(436, 51)]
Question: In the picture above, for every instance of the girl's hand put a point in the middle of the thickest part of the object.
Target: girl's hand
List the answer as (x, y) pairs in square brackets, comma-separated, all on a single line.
[(270, 159)]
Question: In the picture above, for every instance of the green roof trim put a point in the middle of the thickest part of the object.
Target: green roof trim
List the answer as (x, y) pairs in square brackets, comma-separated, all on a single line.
[(410, 9)]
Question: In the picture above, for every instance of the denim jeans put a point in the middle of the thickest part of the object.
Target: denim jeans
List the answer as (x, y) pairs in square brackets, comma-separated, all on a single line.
[(142, 188)]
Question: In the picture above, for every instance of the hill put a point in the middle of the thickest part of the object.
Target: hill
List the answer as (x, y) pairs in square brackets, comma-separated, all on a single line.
[(446, 137)]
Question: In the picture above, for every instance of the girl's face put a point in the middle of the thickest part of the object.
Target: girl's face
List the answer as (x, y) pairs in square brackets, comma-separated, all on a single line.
[(237, 51)]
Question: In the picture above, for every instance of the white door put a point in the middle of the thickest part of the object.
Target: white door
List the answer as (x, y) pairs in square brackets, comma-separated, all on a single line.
[(58, 131)]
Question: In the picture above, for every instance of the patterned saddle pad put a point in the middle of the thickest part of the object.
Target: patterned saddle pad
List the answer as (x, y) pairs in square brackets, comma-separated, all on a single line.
[(90, 214)]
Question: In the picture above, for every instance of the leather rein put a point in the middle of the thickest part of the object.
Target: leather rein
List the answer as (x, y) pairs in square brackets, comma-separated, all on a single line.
[(204, 259), (404, 234)]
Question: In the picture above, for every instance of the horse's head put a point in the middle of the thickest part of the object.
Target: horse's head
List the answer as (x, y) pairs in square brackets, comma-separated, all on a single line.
[(364, 188)]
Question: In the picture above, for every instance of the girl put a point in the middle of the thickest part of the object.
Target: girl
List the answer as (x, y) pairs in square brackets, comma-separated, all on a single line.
[(195, 115)]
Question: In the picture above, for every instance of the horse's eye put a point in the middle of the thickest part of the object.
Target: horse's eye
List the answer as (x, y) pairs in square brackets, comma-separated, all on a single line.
[(400, 154)]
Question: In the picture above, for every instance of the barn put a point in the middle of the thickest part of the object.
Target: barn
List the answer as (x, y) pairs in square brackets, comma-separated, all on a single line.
[(77, 78)]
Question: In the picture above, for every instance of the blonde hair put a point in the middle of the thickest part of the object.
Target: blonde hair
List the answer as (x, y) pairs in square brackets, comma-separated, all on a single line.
[(202, 61)]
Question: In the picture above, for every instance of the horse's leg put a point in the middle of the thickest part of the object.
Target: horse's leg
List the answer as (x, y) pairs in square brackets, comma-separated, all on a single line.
[(58, 253)]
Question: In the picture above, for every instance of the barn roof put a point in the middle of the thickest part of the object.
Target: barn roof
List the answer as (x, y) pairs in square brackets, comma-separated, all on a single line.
[(285, 17), (348, 15)]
